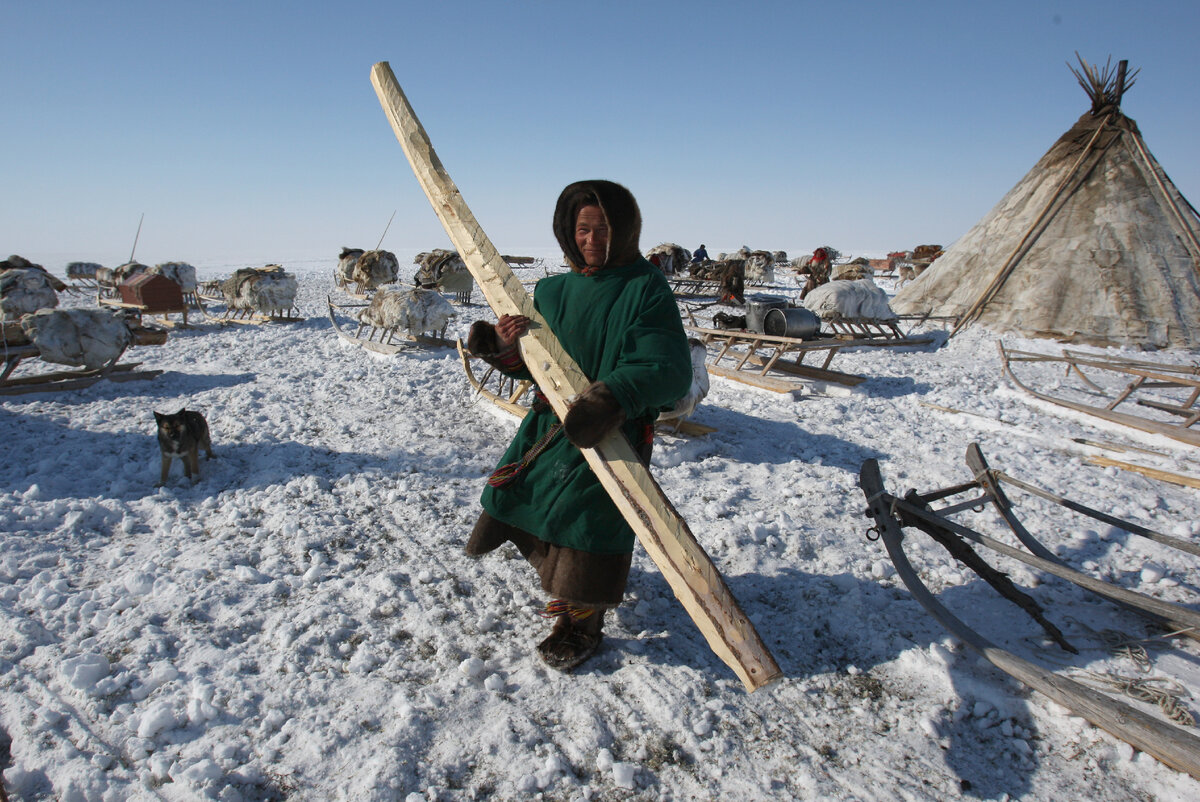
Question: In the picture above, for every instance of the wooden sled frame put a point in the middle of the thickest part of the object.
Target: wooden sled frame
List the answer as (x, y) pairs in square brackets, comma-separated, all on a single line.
[(506, 392), (256, 318), (391, 341), (1143, 376), (1169, 744), (82, 285), (161, 315), (754, 355), (62, 379)]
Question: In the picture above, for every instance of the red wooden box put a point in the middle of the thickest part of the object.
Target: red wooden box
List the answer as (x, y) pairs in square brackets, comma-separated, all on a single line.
[(154, 292)]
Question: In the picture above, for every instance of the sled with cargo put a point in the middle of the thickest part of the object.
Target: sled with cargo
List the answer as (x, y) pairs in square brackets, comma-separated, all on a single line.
[(18, 349), (1154, 731), (1154, 397), (257, 295), (770, 351), (381, 340)]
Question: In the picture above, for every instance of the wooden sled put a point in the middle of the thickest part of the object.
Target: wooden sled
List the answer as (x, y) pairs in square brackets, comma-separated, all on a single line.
[(255, 317), (16, 349), (210, 291), (509, 394), (749, 357), (688, 287), (389, 342), (1179, 384), (82, 285), (1168, 743), (160, 315)]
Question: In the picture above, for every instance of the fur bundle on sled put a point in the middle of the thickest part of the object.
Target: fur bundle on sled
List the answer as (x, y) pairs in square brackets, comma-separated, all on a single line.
[(88, 337), (853, 270), (15, 262), (343, 274), (672, 258), (415, 310), (373, 269), (446, 271), (849, 299), (76, 270), (269, 290), (117, 275), (181, 273), (24, 290), (760, 267)]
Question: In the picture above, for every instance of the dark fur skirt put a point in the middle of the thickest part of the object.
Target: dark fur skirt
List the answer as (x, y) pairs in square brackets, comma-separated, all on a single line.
[(595, 580)]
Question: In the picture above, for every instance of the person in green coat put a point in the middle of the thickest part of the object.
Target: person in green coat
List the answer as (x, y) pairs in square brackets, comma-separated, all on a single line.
[(616, 316)]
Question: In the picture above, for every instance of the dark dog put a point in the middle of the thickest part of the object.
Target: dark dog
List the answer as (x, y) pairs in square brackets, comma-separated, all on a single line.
[(182, 435)]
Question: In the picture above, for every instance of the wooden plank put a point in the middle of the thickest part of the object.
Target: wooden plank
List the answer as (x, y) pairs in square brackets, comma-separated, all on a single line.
[(1180, 479), (809, 372), (754, 379), (684, 564)]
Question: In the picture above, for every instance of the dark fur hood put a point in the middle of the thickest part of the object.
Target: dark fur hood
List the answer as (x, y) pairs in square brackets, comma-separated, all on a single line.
[(619, 207)]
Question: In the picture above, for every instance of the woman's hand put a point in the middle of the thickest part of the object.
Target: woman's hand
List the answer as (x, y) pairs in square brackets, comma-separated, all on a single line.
[(510, 328)]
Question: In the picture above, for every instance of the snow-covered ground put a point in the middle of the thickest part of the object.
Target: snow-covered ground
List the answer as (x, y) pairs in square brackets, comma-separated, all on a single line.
[(301, 623)]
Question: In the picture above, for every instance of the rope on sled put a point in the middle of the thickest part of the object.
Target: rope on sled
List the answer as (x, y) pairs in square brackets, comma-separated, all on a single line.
[(1160, 691)]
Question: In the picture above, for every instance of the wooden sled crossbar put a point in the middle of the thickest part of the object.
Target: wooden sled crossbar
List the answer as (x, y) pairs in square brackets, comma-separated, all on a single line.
[(508, 393), (1181, 379), (389, 342), (254, 317), (1166, 742), (689, 287), (749, 357)]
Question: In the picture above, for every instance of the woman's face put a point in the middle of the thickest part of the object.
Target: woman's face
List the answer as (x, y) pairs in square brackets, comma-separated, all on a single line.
[(591, 235)]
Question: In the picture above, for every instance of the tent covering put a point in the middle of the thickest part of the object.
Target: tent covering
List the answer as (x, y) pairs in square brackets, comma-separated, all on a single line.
[(1095, 245)]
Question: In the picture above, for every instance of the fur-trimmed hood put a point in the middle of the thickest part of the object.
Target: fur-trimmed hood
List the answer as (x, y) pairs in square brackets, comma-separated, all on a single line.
[(619, 207)]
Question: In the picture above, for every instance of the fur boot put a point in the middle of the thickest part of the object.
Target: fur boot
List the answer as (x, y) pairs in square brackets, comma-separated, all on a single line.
[(575, 637)]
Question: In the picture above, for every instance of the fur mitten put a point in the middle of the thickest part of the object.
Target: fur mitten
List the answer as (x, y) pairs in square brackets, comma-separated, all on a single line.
[(593, 416), (483, 339)]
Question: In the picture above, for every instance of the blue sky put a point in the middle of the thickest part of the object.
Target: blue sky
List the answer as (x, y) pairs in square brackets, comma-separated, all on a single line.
[(251, 130)]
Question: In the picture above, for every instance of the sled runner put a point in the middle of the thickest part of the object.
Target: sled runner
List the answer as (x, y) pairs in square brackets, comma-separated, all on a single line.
[(1168, 743), (509, 393), (1172, 389), (667, 540), (386, 341)]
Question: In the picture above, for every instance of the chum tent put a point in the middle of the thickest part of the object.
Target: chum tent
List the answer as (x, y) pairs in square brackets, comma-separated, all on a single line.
[(1094, 245)]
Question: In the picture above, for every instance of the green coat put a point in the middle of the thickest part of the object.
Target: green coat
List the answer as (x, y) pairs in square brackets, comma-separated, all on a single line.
[(623, 328)]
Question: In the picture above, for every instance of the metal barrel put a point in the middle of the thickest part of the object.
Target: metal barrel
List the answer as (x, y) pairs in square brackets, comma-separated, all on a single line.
[(795, 322)]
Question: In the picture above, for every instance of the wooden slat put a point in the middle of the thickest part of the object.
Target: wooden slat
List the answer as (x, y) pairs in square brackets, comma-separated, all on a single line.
[(1154, 473), (765, 382)]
